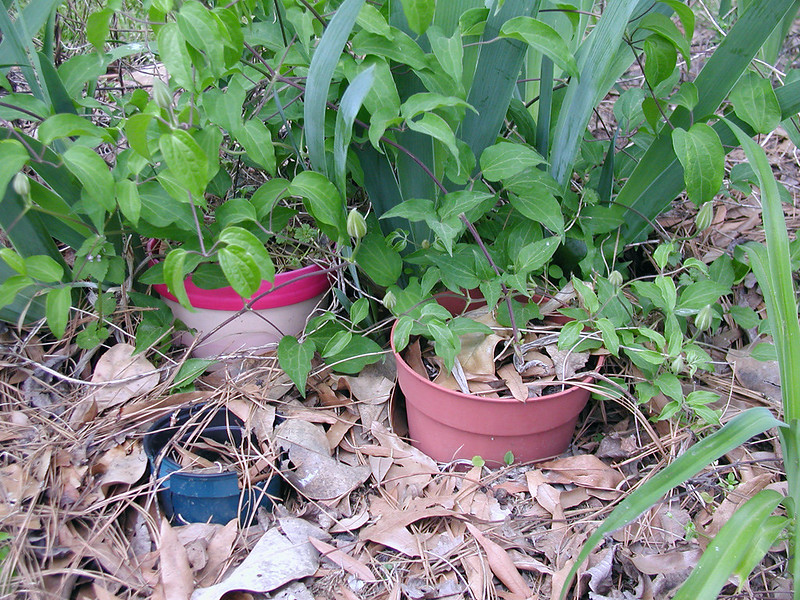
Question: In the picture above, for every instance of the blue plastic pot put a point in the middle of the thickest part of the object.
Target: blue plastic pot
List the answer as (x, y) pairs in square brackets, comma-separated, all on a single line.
[(188, 497)]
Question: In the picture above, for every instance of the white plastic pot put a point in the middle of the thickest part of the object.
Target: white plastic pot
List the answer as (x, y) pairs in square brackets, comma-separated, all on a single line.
[(283, 311)]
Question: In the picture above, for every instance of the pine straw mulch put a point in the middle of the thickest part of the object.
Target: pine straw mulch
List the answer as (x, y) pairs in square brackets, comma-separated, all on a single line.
[(366, 515)]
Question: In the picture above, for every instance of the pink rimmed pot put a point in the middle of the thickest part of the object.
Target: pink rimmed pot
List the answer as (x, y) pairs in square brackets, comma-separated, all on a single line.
[(283, 311), (448, 425)]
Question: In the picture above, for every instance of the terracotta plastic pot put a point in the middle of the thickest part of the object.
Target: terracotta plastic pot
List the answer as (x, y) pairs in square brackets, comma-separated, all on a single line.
[(447, 425), (282, 312)]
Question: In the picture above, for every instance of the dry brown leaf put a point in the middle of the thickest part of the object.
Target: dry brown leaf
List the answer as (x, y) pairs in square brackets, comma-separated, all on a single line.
[(667, 562), (585, 470), (218, 552), (476, 574), (273, 562), (118, 363), (176, 574), (565, 362), (518, 389), (477, 352), (501, 564), (123, 464), (345, 561)]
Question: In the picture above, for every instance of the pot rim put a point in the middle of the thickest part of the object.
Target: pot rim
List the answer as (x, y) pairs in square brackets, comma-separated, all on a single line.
[(473, 397), (314, 283)]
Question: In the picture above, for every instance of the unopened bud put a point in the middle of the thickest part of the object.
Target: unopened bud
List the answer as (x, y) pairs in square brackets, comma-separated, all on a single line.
[(704, 217), (677, 365), (389, 300), (161, 94), (615, 278), (22, 184), (704, 318), (356, 225)]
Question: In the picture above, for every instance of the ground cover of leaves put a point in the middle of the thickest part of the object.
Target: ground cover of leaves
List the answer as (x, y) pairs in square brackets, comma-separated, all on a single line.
[(365, 514)]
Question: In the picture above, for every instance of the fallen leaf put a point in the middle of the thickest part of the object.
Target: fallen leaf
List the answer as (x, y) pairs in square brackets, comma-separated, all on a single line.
[(676, 561), (518, 389), (501, 564), (565, 362), (584, 470), (176, 574), (125, 464), (344, 560), (273, 562), (120, 363), (756, 375), (218, 552)]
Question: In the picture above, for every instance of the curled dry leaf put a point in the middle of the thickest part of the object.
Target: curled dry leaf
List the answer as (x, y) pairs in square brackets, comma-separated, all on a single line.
[(119, 363), (514, 382), (345, 561), (273, 562), (501, 564), (176, 573), (123, 464), (565, 362)]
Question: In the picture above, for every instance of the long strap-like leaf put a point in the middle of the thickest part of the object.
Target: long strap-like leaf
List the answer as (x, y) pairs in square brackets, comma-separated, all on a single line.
[(320, 73), (737, 431), (595, 58), (658, 177)]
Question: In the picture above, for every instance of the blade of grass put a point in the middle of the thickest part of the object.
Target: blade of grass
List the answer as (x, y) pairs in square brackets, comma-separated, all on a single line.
[(729, 547), (772, 268), (737, 431), (595, 59), (318, 82)]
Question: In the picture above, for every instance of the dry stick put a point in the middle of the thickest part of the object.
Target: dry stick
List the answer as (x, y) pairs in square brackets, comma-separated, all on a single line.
[(519, 360)]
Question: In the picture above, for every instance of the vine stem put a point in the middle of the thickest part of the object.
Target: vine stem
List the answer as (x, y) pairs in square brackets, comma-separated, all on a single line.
[(506, 294)]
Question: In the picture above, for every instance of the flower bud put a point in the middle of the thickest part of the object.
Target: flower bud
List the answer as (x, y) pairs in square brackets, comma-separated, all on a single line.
[(161, 94), (704, 217), (22, 184), (704, 318), (677, 365), (389, 300), (615, 278), (356, 225)]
